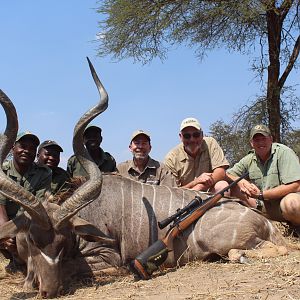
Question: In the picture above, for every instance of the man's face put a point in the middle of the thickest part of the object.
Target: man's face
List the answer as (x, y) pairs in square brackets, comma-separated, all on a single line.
[(262, 145), (192, 139), (140, 147), (92, 139), (24, 151), (49, 156)]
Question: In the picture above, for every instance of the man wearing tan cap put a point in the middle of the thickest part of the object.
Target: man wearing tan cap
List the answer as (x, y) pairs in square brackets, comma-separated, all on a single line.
[(142, 167), (34, 178), (92, 139), (273, 185), (197, 163), (49, 155)]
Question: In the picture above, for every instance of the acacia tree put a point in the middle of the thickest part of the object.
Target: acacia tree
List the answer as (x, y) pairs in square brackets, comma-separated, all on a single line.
[(144, 29)]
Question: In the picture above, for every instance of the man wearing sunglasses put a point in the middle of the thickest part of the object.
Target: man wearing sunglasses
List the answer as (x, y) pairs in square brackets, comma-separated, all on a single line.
[(198, 162)]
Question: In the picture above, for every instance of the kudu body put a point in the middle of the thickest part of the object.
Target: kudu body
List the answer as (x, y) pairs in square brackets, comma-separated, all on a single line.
[(118, 219), (128, 211)]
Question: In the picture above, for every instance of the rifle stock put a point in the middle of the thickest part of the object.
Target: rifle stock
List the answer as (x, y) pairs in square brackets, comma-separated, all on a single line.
[(149, 260)]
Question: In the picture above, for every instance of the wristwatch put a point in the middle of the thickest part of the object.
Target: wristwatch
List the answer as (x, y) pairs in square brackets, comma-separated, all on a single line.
[(260, 200), (261, 196), (259, 204)]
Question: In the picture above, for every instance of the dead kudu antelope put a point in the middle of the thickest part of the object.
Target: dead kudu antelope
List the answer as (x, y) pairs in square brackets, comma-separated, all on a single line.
[(119, 223)]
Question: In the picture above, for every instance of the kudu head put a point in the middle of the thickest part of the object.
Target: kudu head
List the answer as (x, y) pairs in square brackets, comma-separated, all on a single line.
[(45, 232)]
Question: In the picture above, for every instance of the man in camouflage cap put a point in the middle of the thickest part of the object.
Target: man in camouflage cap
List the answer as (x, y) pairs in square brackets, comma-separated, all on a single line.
[(92, 139), (274, 178), (142, 167), (198, 162), (49, 155), (34, 178)]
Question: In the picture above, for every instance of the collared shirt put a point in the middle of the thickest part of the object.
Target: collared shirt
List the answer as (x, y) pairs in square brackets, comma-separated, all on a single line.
[(36, 180), (60, 179), (282, 167), (154, 173), (106, 164), (186, 168)]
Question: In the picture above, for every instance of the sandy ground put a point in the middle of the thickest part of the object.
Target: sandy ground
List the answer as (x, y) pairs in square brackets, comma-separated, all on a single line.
[(276, 278)]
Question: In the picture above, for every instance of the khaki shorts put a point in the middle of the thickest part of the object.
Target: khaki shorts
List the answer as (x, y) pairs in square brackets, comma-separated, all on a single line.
[(272, 210)]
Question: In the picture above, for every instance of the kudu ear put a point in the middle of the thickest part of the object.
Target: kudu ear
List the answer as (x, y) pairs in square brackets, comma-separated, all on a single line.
[(11, 228), (89, 232)]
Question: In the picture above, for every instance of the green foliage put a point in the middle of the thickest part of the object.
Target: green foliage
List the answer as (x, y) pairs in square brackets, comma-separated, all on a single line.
[(235, 143), (144, 29), (234, 136), (292, 139)]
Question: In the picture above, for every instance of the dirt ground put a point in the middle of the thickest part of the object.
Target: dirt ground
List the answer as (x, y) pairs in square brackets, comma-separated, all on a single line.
[(272, 278)]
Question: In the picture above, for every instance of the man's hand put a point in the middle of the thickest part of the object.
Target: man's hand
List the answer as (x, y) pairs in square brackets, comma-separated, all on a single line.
[(206, 179), (248, 188)]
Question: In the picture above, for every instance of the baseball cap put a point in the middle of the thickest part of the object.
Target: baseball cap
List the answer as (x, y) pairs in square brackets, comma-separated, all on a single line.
[(139, 132), (28, 134), (262, 129), (48, 143), (93, 127), (190, 122)]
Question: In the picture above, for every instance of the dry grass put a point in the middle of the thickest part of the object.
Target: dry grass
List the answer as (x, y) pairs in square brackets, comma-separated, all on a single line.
[(276, 278)]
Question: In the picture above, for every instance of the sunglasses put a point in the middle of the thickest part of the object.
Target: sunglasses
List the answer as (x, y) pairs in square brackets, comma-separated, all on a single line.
[(195, 135)]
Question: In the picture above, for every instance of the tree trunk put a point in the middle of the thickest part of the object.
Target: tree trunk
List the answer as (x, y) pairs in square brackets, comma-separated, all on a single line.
[(274, 26)]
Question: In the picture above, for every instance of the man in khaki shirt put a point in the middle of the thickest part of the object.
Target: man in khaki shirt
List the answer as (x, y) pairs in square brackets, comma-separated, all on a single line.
[(142, 167), (197, 163)]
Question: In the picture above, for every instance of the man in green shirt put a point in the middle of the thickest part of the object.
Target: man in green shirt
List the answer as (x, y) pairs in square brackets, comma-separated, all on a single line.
[(92, 139), (142, 167), (274, 178), (49, 155), (32, 177)]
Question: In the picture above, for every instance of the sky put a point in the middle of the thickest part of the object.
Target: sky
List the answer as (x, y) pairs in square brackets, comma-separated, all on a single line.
[(44, 71)]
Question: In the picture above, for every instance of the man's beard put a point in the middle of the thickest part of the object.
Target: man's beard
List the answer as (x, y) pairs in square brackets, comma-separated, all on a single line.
[(192, 148), (140, 155)]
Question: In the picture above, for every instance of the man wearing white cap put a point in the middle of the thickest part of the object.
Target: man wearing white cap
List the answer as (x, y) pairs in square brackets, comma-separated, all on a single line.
[(142, 167), (273, 185), (198, 162)]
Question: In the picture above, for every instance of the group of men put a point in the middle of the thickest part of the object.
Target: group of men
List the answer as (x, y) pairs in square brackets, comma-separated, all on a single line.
[(197, 163)]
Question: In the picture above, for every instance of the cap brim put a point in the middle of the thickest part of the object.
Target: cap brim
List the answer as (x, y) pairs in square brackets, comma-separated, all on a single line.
[(31, 136)]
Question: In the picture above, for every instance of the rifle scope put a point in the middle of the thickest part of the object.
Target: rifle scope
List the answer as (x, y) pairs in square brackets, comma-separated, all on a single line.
[(194, 203)]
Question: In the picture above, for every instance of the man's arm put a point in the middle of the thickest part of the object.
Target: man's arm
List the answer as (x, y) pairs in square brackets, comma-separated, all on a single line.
[(206, 181), (246, 187), (282, 190)]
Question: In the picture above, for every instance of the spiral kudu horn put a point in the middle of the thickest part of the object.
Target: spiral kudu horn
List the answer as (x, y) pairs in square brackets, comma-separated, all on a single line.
[(8, 187), (91, 189)]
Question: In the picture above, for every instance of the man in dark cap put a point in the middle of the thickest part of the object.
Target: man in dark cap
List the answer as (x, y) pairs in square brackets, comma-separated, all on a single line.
[(34, 178), (273, 185), (92, 139), (142, 167), (49, 155)]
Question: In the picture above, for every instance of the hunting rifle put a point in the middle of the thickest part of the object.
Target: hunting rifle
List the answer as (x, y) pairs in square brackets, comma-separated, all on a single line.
[(148, 261)]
